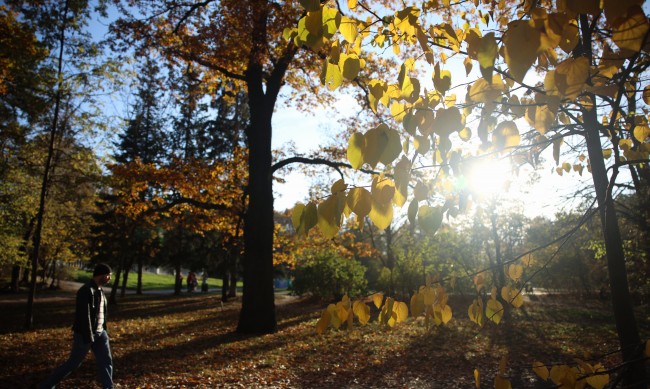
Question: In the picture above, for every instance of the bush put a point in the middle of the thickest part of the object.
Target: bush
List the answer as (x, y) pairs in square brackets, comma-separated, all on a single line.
[(325, 275)]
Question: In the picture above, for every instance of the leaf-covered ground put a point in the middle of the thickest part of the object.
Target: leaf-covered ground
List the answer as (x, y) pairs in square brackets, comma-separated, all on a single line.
[(188, 341)]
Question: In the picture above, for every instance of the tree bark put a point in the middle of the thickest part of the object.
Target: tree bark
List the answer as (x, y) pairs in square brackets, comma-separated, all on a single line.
[(140, 267), (29, 314), (628, 333), (257, 315)]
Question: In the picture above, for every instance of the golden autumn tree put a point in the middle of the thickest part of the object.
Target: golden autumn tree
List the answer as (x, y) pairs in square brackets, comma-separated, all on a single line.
[(550, 73), (241, 45)]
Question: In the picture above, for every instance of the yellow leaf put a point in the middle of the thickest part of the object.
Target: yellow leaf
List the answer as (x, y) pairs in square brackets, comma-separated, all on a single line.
[(351, 66), (296, 215), (541, 370), (356, 145), (402, 311), (516, 298), (335, 321), (352, 4), (331, 21), (448, 121), (600, 379), (505, 293), (502, 365), (501, 383), (446, 314), (377, 298), (515, 271), (417, 305), (494, 310), (362, 311), (468, 65), (422, 144), (562, 374), (329, 216), (381, 214), (441, 79), (483, 91), (342, 312), (486, 54), (571, 76), (349, 29), (398, 111), (339, 186), (333, 76), (304, 217), (359, 200), (477, 379), (522, 42), (607, 153), (570, 37), (557, 143), (323, 322), (641, 132), (377, 93), (629, 34), (475, 312), (517, 109), (382, 189), (646, 94), (506, 135)]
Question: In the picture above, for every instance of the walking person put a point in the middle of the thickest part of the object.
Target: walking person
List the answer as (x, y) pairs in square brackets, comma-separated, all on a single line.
[(89, 332)]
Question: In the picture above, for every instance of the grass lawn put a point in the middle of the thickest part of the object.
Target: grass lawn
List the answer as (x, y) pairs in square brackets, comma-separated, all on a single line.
[(151, 281), (188, 341)]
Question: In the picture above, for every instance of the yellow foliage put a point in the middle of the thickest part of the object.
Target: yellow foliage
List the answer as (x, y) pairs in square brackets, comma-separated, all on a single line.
[(629, 33), (494, 310), (377, 299), (541, 370), (515, 271), (362, 311)]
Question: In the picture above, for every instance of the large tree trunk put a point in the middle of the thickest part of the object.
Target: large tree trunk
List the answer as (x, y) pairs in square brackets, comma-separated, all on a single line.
[(258, 306), (258, 303), (628, 333)]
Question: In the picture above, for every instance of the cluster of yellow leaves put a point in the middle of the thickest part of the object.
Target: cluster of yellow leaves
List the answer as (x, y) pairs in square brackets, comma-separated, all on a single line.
[(493, 309), (428, 301), (538, 37), (432, 303), (574, 377), (343, 313)]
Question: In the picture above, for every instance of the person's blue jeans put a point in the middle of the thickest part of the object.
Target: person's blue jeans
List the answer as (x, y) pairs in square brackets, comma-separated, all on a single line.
[(102, 350)]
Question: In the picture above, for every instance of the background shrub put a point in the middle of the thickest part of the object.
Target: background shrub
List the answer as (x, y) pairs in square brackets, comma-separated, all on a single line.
[(326, 275)]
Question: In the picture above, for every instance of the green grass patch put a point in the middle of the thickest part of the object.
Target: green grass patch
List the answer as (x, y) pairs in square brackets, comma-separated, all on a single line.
[(150, 281)]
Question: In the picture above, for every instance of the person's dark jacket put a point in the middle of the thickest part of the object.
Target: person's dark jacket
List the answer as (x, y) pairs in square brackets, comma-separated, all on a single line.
[(87, 309)]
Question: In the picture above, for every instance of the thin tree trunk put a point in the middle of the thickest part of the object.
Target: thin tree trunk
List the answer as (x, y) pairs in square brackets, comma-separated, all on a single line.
[(15, 279), (112, 299), (29, 315), (628, 333), (140, 267)]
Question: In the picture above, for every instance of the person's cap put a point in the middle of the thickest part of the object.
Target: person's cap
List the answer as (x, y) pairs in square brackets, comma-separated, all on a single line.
[(102, 269)]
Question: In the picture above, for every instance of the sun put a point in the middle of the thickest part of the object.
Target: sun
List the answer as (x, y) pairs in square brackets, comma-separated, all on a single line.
[(489, 177)]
